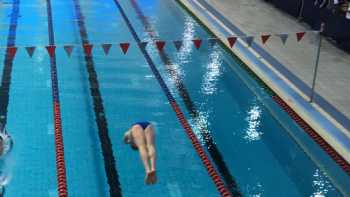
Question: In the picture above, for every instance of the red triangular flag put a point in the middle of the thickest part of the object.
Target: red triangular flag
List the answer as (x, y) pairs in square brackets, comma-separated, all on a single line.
[(264, 38), (178, 44), (300, 35), (68, 49), (160, 45), (11, 51), (87, 49), (106, 48), (197, 43), (51, 50), (232, 41), (124, 47), (30, 51)]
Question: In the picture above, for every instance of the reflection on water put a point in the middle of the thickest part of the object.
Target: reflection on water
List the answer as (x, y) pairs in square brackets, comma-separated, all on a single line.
[(320, 184), (200, 128), (182, 56), (255, 190), (252, 133), (212, 72), (40, 55), (184, 53)]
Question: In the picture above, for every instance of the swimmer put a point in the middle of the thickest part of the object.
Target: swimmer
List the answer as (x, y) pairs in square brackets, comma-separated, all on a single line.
[(5, 142), (3, 182), (141, 137)]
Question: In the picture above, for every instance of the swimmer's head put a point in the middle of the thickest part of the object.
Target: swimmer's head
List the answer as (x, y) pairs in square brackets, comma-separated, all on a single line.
[(128, 140), (127, 137)]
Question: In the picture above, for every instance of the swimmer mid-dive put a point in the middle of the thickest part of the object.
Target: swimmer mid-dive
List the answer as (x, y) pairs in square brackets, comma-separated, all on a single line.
[(141, 137), (6, 142)]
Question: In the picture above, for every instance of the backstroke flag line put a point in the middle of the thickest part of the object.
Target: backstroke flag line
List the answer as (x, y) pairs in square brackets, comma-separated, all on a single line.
[(160, 44)]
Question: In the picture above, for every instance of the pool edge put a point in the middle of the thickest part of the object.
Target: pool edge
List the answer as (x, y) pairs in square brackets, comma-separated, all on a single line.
[(336, 136)]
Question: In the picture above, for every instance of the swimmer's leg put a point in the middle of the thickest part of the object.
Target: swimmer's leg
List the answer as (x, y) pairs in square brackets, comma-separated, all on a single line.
[(139, 139), (150, 141)]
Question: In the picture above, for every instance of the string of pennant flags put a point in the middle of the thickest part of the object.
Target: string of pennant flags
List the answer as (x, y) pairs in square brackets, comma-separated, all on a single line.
[(159, 44)]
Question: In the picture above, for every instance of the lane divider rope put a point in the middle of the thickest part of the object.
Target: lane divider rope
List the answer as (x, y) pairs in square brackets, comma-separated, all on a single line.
[(7, 69), (313, 134), (8, 63), (60, 161)]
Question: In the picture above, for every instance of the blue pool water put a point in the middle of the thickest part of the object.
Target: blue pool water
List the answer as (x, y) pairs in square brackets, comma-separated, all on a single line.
[(263, 150)]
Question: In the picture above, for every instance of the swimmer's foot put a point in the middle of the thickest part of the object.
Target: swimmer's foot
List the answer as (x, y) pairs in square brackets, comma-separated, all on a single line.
[(151, 178), (154, 177)]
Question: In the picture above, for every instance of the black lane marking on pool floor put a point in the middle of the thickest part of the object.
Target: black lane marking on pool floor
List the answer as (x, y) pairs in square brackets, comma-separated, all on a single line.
[(221, 188), (8, 64), (191, 108), (106, 145), (59, 147)]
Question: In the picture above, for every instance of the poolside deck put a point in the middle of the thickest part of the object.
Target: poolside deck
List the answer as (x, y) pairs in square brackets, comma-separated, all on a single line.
[(256, 17)]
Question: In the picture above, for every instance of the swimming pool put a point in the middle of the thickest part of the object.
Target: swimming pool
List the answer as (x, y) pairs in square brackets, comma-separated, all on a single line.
[(253, 144)]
